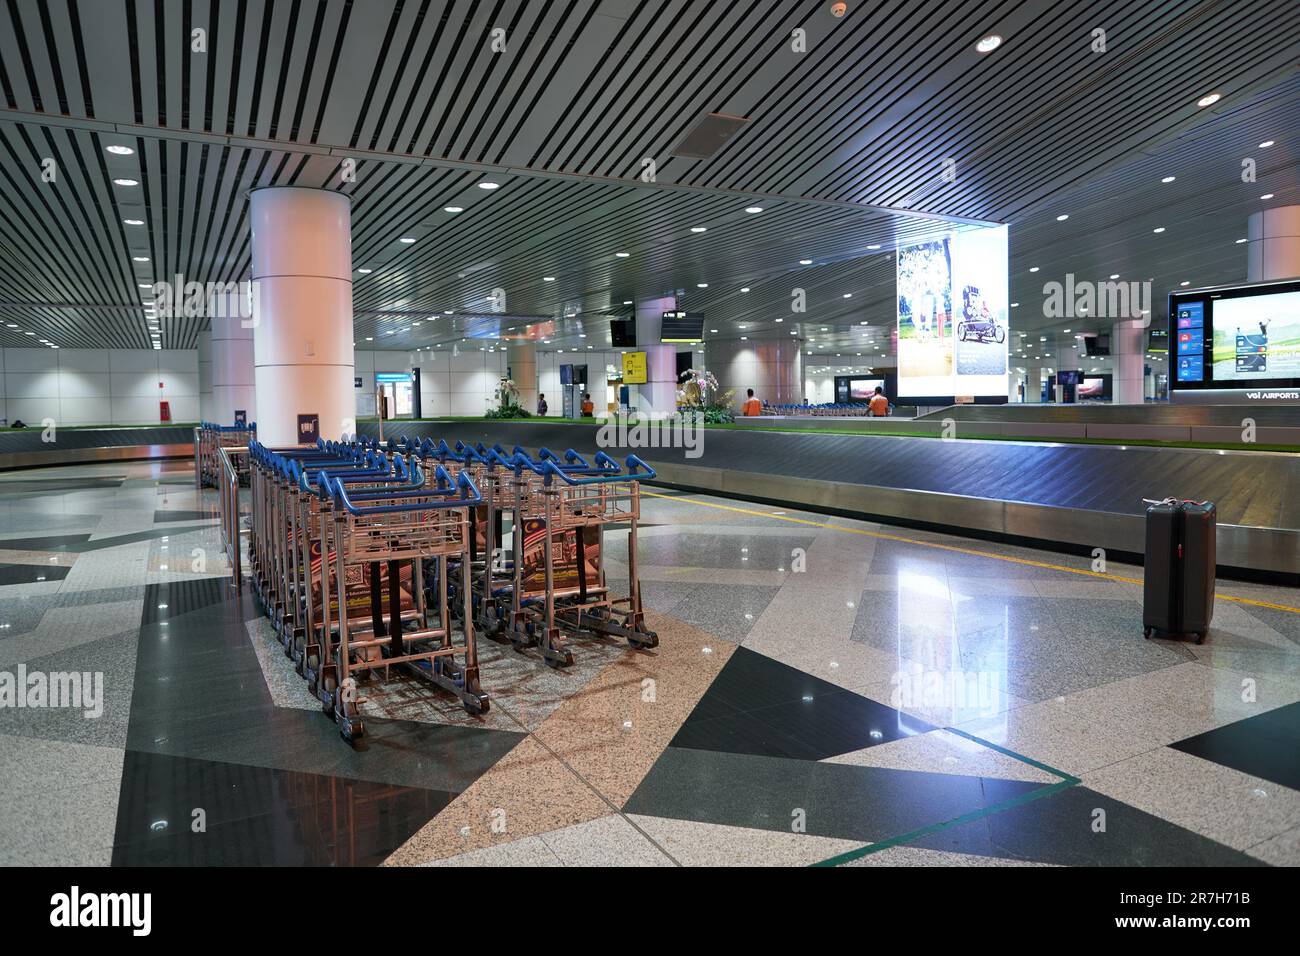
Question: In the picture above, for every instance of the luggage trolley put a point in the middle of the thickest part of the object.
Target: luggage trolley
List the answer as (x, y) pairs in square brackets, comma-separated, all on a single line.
[(308, 543), (272, 530), (397, 526), (565, 506)]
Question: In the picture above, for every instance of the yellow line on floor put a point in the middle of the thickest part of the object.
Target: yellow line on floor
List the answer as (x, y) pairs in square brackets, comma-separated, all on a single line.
[(884, 536)]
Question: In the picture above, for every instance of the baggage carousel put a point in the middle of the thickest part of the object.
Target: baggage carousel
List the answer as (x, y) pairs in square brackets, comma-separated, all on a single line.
[(1068, 497)]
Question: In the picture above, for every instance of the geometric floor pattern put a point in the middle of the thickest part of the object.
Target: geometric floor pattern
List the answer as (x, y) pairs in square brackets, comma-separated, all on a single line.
[(825, 691)]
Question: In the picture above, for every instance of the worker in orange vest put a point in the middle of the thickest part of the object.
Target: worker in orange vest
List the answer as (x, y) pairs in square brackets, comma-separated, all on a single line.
[(752, 405)]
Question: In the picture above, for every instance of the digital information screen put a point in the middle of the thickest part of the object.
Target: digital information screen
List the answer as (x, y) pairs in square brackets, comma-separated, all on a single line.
[(681, 327), (861, 389), (1236, 337), (952, 315)]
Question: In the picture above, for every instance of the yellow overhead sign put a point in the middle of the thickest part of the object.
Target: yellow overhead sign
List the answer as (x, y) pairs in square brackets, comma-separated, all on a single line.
[(634, 368)]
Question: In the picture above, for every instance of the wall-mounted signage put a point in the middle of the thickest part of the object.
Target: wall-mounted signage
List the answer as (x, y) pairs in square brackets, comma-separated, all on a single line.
[(634, 368), (308, 428)]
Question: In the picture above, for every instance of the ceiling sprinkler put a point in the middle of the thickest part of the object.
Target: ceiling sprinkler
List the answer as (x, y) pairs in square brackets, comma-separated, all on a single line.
[(839, 9)]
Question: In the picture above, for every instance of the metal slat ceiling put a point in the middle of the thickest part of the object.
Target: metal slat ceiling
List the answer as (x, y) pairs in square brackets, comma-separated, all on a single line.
[(563, 119)]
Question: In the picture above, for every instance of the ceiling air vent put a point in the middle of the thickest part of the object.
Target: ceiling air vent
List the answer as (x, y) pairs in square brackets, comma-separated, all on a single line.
[(709, 135)]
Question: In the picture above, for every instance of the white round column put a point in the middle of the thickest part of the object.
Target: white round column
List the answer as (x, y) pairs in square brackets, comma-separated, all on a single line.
[(205, 377), (773, 368), (1128, 348), (302, 312), (233, 382), (1274, 244), (657, 396)]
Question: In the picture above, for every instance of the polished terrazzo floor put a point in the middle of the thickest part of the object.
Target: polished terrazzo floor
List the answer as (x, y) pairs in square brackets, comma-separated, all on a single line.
[(825, 690)]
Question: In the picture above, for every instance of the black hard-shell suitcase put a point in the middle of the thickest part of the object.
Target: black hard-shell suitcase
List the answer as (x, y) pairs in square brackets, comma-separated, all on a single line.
[(1178, 583)]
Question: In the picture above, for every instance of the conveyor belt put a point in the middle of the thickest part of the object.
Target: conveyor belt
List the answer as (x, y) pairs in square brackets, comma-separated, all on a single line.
[(31, 438), (951, 484), (1157, 414)]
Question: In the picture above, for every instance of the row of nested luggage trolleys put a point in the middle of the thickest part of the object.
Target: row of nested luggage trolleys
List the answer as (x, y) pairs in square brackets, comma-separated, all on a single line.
[(367, 557)]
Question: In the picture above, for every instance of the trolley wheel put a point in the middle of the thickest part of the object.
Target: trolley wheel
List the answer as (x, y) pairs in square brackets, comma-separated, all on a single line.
[(558, 659), (645, 639), (352, 729), (328, 688), (479, 706)]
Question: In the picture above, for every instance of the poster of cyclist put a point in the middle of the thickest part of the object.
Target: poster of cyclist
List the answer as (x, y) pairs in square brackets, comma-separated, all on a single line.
[(979, 277), (952, 314), (1257, 337)]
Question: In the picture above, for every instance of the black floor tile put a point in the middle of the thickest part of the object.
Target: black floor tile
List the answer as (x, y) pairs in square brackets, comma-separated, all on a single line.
[(836, 800), (162, 517), (256, 816), (1266, 746), (49, 542), (1059, 828), (166, 602), (31, 573), (52, 486), (762, 707)]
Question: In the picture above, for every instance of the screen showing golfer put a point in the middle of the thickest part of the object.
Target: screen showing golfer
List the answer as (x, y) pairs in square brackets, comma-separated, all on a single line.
[(1257, 337)]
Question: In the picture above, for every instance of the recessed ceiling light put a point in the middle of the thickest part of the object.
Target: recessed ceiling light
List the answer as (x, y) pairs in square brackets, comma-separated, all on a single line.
[(140, 258), (407, 239), (1208, 100), (1168, 179), (133, 222), (1033, 268), (453, 208), (1015, 305), (1184, 283), (126, 182), (699, 229), (365, 272), (744, 288), (713, 330), (805, 262), (1239, 242), (1266, 196), (1158, 229), (701, 285), (753, 209), (988, 44), (848, 295), (446, 311), (488, 185), (622, 255), (548, 278), (1062, 217), (1266, 144), (120, 150), (144, 285), (1114, 275)]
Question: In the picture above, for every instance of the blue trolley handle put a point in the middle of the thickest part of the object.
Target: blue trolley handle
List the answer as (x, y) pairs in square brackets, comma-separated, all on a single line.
[(633, 463), (469, 497)]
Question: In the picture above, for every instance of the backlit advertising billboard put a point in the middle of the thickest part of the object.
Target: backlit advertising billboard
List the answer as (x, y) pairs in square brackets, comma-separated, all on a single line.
[(952, 315)]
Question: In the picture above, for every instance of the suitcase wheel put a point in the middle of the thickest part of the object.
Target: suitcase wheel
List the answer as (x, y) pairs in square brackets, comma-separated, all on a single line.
[(1200, 637), (1146, 633)]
